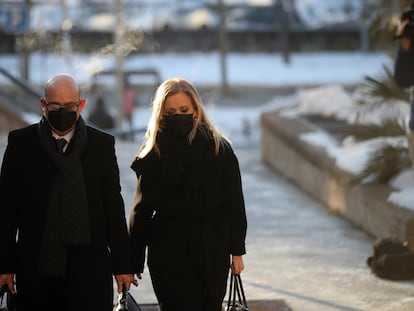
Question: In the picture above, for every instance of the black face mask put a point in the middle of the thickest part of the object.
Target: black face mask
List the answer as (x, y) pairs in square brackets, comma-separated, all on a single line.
[(179, 124), (62, 119)]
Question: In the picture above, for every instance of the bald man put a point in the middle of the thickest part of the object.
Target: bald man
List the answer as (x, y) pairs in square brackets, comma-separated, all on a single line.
[(62, 217)]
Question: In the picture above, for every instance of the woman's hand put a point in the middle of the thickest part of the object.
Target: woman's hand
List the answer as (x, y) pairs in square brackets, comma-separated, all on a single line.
[(237, 265)]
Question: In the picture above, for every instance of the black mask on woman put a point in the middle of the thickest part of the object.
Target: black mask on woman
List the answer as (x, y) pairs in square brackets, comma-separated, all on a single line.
[(179, 124), (62, 119)]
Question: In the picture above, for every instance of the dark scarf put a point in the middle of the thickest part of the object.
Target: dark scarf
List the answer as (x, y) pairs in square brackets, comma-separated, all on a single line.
[(182, 163), (67, 218)]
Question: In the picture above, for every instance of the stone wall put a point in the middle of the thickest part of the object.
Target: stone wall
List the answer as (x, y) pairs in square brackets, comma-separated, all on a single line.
[(312, 170)]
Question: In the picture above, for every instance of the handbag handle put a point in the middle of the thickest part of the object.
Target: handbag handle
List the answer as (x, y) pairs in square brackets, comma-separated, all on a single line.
[(240, 290), (7, 299), (236, 288), (121, 304), (229, 301)]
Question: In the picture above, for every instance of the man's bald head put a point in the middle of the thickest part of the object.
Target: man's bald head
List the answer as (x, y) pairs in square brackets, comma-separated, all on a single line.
[(62, 83)]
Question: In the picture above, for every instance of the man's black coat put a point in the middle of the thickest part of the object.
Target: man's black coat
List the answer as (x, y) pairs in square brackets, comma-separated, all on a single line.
[(26, 180), (404, 75)]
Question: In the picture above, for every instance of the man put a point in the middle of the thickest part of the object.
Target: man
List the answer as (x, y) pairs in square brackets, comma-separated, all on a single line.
[(100, 116), (62, 218), (130, 99), (404, 68)]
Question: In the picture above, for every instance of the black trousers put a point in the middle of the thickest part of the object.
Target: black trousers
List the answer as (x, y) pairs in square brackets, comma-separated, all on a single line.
[(50, 294), (178, 269), (37, 293), (185, 291)]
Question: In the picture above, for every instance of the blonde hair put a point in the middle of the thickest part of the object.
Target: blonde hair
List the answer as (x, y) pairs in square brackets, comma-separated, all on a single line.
[(171, 87)]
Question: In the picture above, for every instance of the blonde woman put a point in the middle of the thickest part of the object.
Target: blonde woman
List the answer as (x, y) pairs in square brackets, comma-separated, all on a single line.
[(189, 217)]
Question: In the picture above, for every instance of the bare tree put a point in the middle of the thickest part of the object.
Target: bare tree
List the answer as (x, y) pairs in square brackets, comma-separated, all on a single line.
[(283, 22), (223, 47)]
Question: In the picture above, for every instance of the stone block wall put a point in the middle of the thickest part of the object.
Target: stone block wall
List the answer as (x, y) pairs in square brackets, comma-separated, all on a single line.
[(312, 170)]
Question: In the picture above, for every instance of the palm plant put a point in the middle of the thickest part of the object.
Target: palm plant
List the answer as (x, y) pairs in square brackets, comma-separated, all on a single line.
[(388, 160), (385, 163)]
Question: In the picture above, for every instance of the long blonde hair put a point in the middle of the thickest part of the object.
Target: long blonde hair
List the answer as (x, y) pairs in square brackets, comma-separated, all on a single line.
[(171, 87)]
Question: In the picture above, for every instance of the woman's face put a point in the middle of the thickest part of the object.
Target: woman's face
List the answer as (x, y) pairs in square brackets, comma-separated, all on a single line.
[(179, 103)]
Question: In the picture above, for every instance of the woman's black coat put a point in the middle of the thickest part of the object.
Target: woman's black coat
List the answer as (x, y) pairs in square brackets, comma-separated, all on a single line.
[(189, 184)]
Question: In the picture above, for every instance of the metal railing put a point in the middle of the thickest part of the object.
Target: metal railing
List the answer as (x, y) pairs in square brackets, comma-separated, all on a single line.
[(18, 96)]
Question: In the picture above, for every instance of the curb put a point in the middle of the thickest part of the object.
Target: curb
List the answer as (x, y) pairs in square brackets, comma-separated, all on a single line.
[(312, 170), (254, 305)]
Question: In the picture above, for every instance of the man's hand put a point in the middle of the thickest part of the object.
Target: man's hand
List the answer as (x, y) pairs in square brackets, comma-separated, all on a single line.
[(7, 279), (126, 279), (405, 41)]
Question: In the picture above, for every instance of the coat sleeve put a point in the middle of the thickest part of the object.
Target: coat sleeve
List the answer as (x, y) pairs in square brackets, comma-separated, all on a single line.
[(404, 68), (234, 203), (114, 205), (139, 225), (9, 185)]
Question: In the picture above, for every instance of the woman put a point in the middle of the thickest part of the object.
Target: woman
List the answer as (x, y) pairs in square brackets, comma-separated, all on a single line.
[(189, 209)]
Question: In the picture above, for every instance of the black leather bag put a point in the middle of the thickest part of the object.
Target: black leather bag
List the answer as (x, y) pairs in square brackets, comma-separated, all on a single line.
[(237, 299), (392, 260), (125, 301), (7, 300)]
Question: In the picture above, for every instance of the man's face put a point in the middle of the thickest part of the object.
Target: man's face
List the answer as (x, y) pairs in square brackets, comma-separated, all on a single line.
[(62, 106)]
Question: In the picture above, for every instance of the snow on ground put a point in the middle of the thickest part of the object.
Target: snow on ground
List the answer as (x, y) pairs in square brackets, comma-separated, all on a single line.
[(264, 69), (350, 155)]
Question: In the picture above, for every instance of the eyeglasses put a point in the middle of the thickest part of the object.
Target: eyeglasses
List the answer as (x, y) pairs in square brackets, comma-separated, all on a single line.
[(52, 106)]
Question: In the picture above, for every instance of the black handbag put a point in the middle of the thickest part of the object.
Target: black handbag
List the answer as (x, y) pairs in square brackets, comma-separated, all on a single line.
[(125, 301), (392, 260), (7, 300), (237, 299)]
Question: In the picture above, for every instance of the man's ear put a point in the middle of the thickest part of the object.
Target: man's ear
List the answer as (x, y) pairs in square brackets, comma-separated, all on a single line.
[(43, 102), (82, 103)]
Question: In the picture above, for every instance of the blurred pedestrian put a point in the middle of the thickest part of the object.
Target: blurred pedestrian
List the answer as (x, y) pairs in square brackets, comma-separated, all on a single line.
[(63, 225), (100, 116), (130, 102), (189, 209), (404, 66)]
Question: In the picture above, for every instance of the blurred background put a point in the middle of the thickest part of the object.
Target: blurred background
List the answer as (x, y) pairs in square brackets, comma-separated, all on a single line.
[(313, 24), (35, 31)]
